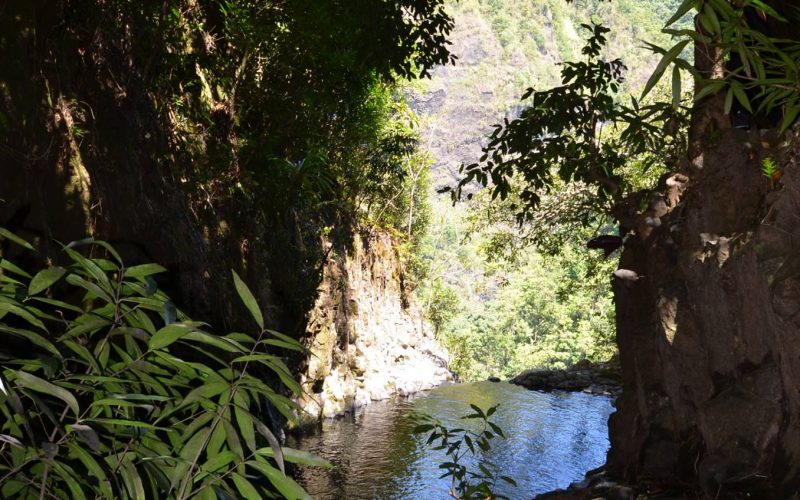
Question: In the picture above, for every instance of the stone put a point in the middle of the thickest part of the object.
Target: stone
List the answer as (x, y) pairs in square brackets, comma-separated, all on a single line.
[(367, 336), (619, 492)]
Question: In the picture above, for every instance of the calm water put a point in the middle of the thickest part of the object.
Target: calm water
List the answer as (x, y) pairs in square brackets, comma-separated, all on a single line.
[(553, 439)]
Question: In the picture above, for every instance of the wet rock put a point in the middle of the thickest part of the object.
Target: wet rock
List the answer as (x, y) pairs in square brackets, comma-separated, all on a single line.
[(593, 378)]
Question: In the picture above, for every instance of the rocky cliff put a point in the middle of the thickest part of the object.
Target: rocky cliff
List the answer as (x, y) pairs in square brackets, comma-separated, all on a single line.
[(708, 334), (367, 336)]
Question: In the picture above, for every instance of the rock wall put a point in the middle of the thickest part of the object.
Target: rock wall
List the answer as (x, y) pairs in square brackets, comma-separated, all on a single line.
[(367, 336), (708, 334)]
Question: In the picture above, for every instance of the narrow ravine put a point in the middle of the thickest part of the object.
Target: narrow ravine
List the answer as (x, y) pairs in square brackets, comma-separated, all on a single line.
[(553, 440)]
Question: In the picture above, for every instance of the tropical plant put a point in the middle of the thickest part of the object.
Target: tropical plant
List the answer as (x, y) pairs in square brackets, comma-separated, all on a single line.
[(747, 50), (457, 443), (108, 390)]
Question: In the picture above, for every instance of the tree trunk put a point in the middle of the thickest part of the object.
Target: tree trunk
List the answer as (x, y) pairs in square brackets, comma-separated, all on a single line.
[(708, 335)]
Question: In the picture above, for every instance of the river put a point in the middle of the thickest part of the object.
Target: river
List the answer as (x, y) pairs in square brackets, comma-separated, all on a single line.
[(553, 439)]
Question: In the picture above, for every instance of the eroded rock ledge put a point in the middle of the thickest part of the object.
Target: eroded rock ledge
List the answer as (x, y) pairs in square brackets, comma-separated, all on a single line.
[(367, 336)]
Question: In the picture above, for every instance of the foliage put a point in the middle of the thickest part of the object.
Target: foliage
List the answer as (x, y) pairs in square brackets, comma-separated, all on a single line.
[(766, 76), (506, 296), (107, 390), (457, 443), (264, 122), (442, 305), (394, 191), (500, 307), (578, 133)]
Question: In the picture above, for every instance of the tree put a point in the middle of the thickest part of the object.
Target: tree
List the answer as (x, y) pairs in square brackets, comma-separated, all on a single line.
[(207, 134)]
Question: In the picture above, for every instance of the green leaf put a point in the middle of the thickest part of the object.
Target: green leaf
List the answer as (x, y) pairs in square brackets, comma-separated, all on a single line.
[(22, 313), (249, 300), (246, 489), (422, 428), (297, 457), (768, 10), (10, 266), (232, 438), (218, 462), (133, 482), (87, 434), (666, 60), (508, 480), (168, 335), (92, 466), (728, 101), (681, 11), (284, 484), (790, 116), (5, 233), (75, 280), (44, 279), (218, 342), (708, 19), (89, 326), (478, 410), (274, 445), (190, 451), (205, 391), (11, 440), (144, 270), (33, 338), (244, 420), (709, 88), (34, 383), (126, 423), (738, 92), (676, 87), (69, 477), (92, 269)]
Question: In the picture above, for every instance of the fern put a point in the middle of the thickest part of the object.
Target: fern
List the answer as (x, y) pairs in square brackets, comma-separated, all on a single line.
[(769, 168)]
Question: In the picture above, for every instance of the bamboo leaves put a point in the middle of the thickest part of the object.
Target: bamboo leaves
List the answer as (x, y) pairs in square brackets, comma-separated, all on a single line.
[(102, 399)]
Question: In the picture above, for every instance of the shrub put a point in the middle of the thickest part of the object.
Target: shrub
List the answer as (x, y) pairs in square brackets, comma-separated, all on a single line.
[(457, 443), (107, 390)]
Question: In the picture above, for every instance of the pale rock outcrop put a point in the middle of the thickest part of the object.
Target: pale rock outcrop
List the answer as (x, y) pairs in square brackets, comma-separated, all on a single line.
[(367, 336)]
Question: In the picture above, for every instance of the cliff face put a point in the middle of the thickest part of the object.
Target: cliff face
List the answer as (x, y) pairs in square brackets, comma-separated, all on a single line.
[(367, 336), (708, 334)]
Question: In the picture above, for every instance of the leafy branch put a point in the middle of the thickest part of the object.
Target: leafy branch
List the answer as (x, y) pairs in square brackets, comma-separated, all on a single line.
[(457, 443)]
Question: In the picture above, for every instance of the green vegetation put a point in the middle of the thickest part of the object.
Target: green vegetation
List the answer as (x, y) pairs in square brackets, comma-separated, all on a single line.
[(247, 129), (468, 483), (580, 159), (501, 313), (108, 390), (506, 293), (214, 135)]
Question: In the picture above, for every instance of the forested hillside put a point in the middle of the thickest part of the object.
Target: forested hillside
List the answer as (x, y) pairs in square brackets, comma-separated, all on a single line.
[(500, 303)]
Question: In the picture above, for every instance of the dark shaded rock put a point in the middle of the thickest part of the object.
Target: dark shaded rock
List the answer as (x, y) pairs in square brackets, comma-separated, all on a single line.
[(593, 378), (708, 340), (619, 492)]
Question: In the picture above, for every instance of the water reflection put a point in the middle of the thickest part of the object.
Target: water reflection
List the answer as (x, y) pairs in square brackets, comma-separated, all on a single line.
[(553, 439)]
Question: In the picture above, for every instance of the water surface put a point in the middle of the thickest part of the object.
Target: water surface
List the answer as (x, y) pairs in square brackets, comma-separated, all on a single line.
[(553, 439)]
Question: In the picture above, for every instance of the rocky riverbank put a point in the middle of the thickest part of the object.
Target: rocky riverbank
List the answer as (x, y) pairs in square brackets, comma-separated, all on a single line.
[(599, 486), (595, 378)]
